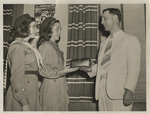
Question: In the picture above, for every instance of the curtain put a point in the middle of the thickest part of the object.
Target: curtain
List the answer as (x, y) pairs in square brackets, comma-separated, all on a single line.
[(10, 13), (17, 11), (82, 43), (7, 24)]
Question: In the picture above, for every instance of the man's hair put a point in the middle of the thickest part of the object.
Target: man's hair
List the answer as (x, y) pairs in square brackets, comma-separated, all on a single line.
[(114, 11)]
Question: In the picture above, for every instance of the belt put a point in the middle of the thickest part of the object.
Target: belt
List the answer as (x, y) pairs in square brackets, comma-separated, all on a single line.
[(32, 72)]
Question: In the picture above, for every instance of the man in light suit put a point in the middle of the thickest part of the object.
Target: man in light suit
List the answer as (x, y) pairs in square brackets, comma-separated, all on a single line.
[(118, 66)]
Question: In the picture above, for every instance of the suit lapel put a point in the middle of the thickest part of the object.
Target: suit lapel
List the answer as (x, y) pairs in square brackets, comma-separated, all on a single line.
[(116, 46), (118, 41)]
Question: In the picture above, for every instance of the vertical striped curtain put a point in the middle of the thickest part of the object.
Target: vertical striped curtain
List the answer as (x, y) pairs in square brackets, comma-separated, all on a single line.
[(17, 11), (10, 13), (7, 24), (82, 43)]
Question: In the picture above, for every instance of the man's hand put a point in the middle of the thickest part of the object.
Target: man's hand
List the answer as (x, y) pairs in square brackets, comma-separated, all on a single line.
[(127, 97), (85, 69)]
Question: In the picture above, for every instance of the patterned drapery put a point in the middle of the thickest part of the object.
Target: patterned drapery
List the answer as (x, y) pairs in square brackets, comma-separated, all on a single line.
[(7, 24), (10, 13), (82, 43)]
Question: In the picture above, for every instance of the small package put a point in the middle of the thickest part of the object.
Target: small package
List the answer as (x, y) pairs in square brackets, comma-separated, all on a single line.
[(81, 62)]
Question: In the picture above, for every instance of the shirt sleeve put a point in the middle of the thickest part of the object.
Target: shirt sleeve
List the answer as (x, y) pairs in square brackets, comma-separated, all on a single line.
[(94, 71), (17, 57), (49, 70)]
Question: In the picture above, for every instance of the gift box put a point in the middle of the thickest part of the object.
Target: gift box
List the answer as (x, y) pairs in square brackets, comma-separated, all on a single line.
[(81, 62)]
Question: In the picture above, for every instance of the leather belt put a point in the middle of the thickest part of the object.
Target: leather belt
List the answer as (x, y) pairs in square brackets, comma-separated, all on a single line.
[(32, 72)]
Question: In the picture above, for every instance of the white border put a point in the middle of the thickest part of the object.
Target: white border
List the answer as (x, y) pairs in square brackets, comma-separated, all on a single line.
[(78, 2)]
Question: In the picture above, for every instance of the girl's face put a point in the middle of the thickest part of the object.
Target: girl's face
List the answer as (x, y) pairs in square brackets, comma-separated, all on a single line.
[(56, 31), (33, 29)]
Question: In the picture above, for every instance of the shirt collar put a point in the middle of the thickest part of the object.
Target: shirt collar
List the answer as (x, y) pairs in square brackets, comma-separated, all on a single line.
[(55, 46), (116, 34), (20, 39)]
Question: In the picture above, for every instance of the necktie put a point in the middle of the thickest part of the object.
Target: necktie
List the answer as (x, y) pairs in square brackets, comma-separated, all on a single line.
[(107, 54)]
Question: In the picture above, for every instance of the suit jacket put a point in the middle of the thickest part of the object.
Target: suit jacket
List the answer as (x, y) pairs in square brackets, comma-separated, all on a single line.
[(124, 66)]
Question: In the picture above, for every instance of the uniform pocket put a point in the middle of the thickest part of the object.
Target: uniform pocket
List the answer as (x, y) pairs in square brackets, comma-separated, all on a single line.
[(29, 56), (31, 84), (54, 86)]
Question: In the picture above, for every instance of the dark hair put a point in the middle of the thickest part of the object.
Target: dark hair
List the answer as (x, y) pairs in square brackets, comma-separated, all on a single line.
[(23, 29), (114, 11), (46, 33)]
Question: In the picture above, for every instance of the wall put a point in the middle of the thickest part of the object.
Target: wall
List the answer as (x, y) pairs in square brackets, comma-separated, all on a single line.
[(62, 15), (134, 23)]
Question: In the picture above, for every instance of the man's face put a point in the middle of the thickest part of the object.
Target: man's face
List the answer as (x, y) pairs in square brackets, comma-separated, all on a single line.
[(108, 21)]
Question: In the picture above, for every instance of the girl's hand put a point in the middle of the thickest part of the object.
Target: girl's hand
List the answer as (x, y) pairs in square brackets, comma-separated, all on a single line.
[(68, 69), (26, 108)]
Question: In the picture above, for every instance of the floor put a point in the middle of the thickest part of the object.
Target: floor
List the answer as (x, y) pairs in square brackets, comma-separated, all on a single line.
[(76, 106), (139, 106)]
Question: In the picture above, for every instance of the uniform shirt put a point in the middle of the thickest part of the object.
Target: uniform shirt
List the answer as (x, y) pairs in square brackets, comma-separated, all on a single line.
[(20, 59)]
